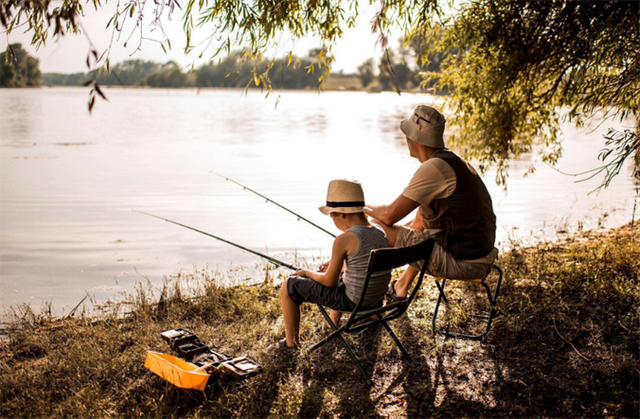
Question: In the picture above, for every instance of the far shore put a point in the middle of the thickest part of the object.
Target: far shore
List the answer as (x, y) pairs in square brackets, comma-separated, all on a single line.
[(330, 85)]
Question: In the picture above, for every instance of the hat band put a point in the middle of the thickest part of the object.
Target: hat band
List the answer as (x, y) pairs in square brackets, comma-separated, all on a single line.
[(335, 204)]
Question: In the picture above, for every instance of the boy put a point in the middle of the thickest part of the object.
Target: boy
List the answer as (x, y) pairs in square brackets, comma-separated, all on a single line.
[(345, 205)]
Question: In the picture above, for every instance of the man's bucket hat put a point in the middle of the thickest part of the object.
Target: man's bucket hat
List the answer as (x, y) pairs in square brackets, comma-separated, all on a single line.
[(344, 196), (425, 126)]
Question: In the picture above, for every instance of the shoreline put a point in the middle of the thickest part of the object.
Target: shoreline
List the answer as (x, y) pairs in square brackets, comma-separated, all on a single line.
[(567, 236), (567, 330)]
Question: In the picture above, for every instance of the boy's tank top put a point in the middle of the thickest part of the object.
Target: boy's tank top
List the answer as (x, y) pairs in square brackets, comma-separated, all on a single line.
[(370, 237)]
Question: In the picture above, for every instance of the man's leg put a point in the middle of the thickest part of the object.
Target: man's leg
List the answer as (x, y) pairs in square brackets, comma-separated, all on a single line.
[(390, 230), (402, 236), (291, 314), (404, 283)]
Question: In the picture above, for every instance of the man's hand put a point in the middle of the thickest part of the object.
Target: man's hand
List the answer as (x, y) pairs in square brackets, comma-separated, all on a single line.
[(390, 214), (302, 272)]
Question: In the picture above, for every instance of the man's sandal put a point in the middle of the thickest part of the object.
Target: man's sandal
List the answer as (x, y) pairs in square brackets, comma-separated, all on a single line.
[(391, 292)]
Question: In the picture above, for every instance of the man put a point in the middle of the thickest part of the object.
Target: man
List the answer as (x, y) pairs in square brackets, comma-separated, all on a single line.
[(455, 208)]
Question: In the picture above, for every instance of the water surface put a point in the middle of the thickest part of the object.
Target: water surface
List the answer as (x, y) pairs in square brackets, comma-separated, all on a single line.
[(70, 181)]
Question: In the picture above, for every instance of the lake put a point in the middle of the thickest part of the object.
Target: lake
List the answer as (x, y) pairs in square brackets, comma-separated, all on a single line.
[(70, 181)]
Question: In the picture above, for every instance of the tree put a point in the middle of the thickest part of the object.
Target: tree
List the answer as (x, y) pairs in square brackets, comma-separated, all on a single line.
[(519, 64), (365, 72), (512, 66), (129, 73), (18, 68), (394, 73), (169, 75)]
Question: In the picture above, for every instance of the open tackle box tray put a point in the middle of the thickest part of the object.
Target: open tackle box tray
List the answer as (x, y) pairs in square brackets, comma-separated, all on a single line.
[(241, 367), (203, 359), (185, 343)]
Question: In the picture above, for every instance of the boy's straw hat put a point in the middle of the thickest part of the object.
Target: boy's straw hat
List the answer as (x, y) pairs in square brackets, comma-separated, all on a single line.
[(344, 196), (425, 126)]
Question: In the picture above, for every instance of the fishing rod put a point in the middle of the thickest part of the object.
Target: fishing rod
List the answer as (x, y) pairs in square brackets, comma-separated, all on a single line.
[(274, 261), (300, 217)]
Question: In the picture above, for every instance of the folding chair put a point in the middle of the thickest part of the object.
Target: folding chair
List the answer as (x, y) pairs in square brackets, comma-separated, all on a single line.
[(488, 318), (379, 260)]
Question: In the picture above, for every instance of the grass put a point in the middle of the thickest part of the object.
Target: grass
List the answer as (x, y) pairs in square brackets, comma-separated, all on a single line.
[(565, 344)]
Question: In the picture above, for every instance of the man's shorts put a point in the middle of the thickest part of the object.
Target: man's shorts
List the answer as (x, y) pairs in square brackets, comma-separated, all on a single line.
[(441, 263), (306, 290)]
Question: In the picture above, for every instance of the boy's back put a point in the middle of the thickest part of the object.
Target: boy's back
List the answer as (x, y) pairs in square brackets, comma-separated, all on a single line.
[(371, 237)]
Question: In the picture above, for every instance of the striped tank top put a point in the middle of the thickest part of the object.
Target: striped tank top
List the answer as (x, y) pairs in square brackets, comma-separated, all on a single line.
[(371, 237)]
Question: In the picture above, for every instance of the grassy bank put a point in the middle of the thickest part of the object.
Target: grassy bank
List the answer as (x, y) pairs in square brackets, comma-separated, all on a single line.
[(565, 344)]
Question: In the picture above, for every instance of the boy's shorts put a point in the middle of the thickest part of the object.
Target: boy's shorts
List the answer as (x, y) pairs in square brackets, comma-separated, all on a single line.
[(306, 290)]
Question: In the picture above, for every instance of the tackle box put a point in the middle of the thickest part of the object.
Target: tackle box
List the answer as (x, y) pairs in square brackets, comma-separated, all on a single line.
[(191, 348)]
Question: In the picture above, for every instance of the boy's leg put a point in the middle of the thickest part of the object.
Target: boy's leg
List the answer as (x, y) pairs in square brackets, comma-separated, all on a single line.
[(335, 317), (291, 314)]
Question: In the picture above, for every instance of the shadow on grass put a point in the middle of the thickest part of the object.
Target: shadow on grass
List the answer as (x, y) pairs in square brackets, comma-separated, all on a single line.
[(333, 379)]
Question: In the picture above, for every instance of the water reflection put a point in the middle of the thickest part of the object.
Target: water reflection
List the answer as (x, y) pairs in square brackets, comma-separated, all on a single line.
[(24, 132)]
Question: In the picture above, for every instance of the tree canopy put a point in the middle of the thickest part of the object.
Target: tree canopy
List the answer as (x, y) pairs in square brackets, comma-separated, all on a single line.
[(514, 70)]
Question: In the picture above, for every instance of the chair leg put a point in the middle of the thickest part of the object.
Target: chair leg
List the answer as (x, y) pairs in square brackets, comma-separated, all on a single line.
[(489, 319), (344, 343), (441, 296), (397, 341), (492, 299), (441, 288)]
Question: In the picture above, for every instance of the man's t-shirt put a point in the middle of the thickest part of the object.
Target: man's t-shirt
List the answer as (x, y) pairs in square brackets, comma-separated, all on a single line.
[(434, 179)]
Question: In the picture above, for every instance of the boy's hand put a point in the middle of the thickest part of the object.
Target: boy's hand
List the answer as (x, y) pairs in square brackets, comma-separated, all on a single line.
[(323, 267), (301, 272)]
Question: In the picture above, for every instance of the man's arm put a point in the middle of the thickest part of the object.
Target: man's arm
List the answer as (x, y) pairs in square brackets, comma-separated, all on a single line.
[(396, 211), (347, 242)]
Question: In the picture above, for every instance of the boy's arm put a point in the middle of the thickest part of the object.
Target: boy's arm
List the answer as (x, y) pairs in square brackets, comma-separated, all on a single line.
[(344, 243)]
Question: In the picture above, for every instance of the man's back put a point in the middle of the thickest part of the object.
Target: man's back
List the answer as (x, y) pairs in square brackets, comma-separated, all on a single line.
[(466, 216)]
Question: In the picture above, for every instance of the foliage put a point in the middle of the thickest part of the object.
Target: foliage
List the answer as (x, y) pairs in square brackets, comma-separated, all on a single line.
[(41, 16), (394, 73), (232, 71), (523, 67), (64, 79), (18, 68), (236, 70), (622, 145), (169, 75), (366, 72), (127, 73)]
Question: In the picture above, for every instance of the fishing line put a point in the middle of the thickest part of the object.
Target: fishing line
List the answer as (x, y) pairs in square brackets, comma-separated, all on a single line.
[(300, 217), (274, 261)]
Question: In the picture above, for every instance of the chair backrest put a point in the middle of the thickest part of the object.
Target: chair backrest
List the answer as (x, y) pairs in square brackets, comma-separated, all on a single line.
[(391, 258)]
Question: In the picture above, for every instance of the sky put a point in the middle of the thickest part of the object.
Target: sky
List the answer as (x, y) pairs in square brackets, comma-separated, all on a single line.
[(68, 54)]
